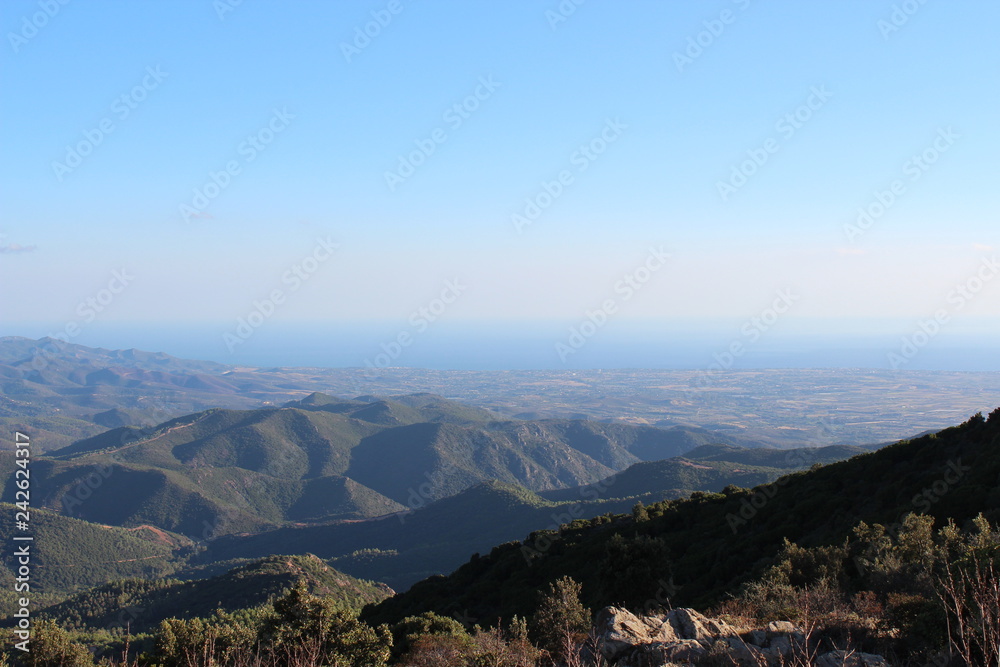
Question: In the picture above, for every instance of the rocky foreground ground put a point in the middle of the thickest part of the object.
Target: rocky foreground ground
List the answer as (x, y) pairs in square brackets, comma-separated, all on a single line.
[(684, 637)]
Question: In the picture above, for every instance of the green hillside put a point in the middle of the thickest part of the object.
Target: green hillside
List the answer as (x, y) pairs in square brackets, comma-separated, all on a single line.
[(402, 549), (312, 479), (799, 457), (434, 408), (322, 459), (453, 457), (145, 603), (229, 470), (678, 477), (709, 543), (69, 555), (643, 443), (710, 468), (398, 410), (62, 392)]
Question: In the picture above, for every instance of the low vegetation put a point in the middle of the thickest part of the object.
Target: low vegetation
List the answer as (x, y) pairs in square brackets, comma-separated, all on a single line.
[(918, 596)]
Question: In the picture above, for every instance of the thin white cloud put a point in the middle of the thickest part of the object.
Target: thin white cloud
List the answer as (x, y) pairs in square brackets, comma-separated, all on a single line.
[(17, 247)]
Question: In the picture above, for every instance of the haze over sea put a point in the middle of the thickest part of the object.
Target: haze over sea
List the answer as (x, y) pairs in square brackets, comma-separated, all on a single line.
[(490, 346)]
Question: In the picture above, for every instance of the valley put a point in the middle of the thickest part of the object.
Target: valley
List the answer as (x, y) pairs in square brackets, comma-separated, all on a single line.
[(411, 505)]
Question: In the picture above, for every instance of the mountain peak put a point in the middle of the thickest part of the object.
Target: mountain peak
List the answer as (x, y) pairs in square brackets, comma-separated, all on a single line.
[(317, 398)]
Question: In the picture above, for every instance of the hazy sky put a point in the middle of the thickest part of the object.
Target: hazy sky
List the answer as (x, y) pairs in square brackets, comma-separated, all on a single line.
[(740, 138)]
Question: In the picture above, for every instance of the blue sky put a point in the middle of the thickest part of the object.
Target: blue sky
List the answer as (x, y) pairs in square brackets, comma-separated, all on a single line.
[(186, 87)]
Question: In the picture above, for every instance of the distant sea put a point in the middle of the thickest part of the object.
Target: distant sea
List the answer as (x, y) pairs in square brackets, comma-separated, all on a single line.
[(546, 346)]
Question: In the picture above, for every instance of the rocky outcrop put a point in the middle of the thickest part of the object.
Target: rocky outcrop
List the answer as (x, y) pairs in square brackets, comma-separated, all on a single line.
[(684, 636)]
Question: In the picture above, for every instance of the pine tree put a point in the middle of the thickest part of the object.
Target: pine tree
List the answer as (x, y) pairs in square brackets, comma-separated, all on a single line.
[(51, 647), (561, 619)]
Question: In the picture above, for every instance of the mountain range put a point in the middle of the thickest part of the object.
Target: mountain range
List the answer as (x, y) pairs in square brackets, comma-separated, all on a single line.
[(322, 459), (393, 490), (694, 551)]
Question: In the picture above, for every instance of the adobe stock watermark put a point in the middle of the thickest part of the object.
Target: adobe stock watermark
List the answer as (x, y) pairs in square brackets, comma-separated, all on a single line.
[(364, 34), (84, 488), (749, 507), (121, 623), (248, 150), (87, 309), (957, 298), (264, 309), (763, 494), (625, 288), (562, 12), (420, 320), (750, 332), (455, 115), (121, 108), (703, 39), (913, 169), (825, 433), (539, 542), (581, 159), (209, 530), (786, 126), (900, 16), (30, 25), (223, 7), (665, 591), (428, 491), (954, 473)]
